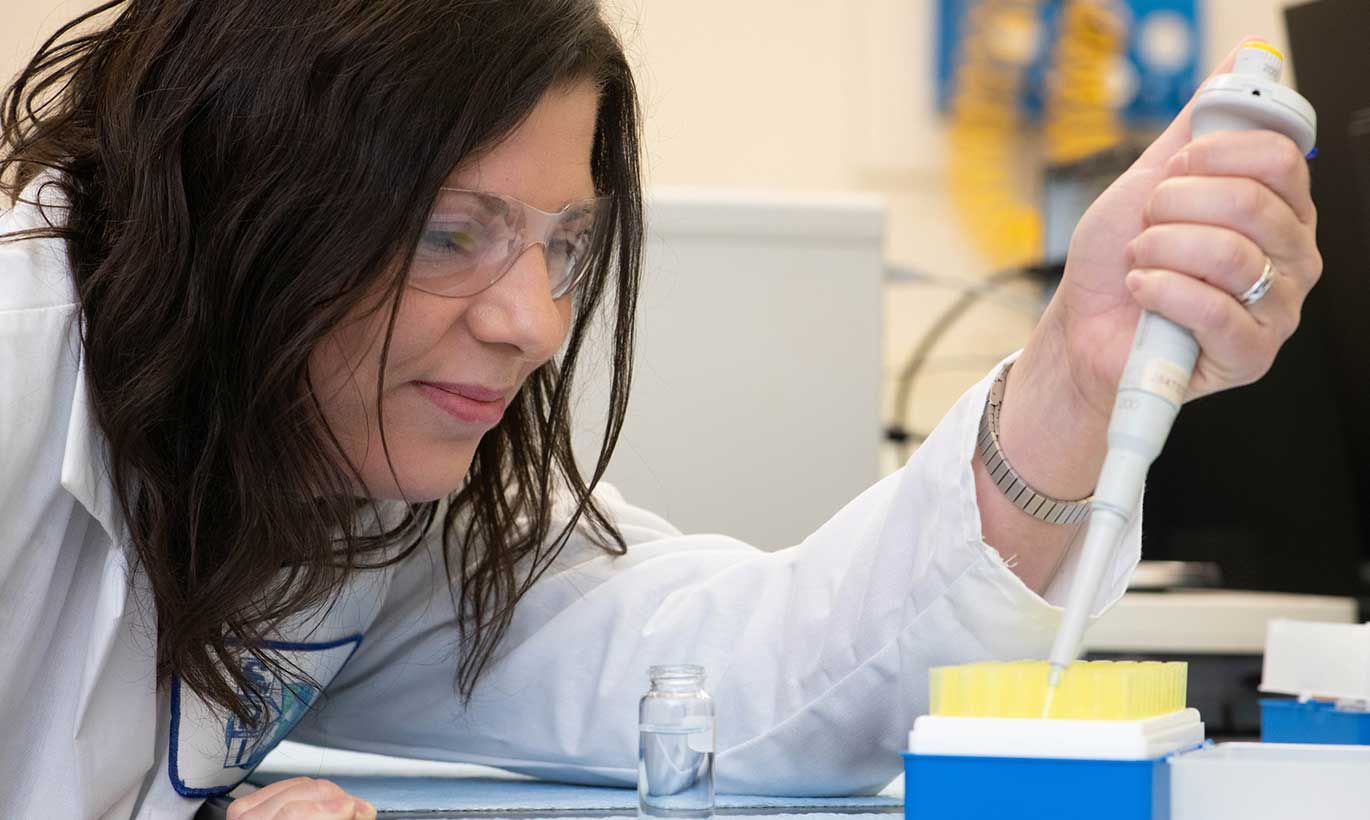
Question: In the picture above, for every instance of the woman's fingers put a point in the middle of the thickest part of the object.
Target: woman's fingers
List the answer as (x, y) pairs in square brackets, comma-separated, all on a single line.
[(301, 797), (1270, 158), (247, 803), (1237, 349), (1219, 256), (337, 809), (1245, 206), (1224, 259)]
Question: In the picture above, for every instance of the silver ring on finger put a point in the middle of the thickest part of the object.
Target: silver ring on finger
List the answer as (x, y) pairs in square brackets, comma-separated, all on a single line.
[(1257, 292)]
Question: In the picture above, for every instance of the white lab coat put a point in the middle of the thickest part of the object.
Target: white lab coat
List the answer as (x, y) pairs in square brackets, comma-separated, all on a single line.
[(817, 655)]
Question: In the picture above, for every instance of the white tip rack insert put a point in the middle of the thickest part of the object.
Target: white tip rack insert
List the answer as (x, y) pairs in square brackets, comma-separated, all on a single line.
[(1144, 739)]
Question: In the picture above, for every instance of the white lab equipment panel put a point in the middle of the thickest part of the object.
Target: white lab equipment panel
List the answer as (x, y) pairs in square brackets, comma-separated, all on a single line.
[(755, 407)]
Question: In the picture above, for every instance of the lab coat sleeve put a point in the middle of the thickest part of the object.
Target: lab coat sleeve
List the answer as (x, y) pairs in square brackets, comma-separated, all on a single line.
[(817, 655)]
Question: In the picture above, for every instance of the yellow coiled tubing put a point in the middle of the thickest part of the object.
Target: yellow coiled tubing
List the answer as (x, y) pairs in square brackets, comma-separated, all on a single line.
[(986, 128)]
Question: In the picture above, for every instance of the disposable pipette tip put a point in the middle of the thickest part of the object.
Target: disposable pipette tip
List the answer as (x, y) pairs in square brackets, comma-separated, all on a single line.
[(1053, 680)]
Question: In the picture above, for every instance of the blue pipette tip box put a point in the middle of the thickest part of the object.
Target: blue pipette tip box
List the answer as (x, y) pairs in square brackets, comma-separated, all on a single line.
[(1289, 721), (948, 787)]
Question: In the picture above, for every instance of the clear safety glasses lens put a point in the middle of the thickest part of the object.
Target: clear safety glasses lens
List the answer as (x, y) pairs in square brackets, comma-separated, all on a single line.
[(472, 238)]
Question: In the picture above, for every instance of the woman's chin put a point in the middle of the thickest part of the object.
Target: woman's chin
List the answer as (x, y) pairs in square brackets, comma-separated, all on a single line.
[(422, 476)]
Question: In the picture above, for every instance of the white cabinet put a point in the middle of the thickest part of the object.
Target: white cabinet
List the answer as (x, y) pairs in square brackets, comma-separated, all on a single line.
[(756, 393)]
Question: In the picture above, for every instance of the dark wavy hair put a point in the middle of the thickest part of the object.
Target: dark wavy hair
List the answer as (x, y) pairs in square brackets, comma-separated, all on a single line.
[(239, 175)]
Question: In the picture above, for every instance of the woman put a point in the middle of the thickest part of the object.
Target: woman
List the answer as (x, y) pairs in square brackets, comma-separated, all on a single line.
[(293, 294)]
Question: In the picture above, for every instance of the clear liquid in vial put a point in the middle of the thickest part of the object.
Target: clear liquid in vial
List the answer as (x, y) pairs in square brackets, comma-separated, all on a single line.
[(675, 771)]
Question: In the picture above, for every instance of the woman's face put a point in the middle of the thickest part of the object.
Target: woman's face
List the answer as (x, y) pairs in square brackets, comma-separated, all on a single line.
[(455, 363)]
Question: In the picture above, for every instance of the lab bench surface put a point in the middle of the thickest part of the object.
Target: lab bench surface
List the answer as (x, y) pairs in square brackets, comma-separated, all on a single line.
[(402, 788), (217, 808)]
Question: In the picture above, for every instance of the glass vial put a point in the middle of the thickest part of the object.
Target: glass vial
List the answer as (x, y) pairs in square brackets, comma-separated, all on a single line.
[(675, 757)]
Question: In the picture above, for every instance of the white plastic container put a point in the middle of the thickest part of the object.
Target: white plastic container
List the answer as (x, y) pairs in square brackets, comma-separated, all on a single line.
[(1318, 660), (1271, 781)]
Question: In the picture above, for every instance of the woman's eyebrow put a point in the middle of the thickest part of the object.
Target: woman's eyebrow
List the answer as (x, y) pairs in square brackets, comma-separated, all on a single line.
[(470, 204), (582, 202)]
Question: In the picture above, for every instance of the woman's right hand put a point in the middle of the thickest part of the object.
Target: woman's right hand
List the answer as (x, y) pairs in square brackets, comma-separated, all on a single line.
[(301, 798)]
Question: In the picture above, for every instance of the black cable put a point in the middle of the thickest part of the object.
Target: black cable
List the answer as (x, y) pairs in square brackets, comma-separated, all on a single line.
[(898, 431)]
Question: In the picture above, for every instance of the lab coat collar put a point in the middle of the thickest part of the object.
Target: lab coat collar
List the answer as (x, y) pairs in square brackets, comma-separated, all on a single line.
[(85, 462)]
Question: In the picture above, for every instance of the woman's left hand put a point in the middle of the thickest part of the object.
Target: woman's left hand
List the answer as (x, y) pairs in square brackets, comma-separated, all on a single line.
[(301, 798), (1183, 233)]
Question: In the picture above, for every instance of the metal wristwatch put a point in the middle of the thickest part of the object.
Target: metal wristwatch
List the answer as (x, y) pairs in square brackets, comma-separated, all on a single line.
[(1012, 485)]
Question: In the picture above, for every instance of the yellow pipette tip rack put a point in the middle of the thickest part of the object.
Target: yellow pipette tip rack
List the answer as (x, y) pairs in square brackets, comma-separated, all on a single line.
[(1089, 690)]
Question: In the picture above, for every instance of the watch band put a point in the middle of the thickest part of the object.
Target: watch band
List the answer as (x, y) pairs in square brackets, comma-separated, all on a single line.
[(1012, 485)]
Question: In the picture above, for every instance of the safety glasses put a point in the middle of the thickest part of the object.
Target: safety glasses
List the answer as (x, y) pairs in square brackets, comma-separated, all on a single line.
[(472, 238)]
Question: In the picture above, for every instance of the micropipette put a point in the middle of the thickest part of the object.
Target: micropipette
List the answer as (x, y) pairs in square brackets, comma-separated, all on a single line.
[(1161, 362)]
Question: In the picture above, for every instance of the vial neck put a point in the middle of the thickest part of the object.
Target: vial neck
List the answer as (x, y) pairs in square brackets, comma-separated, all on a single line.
[(678, 687), (677, 679)]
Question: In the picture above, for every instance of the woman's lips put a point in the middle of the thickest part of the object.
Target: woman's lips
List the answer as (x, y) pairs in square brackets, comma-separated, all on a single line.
[(473, 404)]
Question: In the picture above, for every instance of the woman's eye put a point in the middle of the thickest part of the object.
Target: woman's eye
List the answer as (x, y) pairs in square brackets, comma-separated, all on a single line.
[(565, 247), (456, 242), (571, 242)]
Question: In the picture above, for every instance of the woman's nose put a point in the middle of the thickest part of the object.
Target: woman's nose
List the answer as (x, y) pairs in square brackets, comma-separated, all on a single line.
[(518, 310)]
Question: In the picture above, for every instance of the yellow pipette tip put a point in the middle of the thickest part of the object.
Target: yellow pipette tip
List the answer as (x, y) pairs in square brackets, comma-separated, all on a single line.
[(1046, 705)]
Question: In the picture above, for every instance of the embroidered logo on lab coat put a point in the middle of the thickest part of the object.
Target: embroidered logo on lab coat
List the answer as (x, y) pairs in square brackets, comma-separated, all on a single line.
[(212, 753), (286, 701)]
